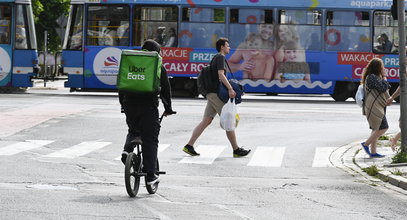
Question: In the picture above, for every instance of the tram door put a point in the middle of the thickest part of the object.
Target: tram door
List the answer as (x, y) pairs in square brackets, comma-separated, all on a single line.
[(5, 44), (72, 51), (25, 56), (106, 26)]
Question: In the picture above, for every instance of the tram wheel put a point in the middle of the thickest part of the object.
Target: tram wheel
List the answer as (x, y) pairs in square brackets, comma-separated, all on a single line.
[(342, 91)]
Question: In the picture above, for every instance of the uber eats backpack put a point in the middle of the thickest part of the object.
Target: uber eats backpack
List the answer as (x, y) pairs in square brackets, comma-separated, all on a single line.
[(139, 72)]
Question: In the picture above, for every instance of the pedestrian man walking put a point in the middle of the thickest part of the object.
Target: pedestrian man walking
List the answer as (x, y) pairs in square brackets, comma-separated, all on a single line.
[(214, 104)]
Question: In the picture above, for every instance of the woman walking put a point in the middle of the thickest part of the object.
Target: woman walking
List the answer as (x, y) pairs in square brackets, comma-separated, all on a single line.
[(376, 87)]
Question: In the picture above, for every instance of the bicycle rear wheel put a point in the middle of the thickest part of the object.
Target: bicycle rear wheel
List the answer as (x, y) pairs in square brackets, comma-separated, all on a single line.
[(132, 169), (153, 188)]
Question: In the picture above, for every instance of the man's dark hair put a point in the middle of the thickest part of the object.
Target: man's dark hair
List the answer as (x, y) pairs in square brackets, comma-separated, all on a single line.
[(221, 42)]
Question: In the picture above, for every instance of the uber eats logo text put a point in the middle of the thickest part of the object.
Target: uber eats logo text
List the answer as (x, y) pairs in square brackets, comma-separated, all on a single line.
[(136, 73)]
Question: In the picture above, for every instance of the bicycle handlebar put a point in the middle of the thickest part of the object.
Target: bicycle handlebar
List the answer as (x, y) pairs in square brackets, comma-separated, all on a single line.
[(166, 114)]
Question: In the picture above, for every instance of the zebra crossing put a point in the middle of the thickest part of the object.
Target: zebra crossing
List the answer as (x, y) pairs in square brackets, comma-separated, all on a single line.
[(79, 149), (261, 156), (23, 146), (267, 157)]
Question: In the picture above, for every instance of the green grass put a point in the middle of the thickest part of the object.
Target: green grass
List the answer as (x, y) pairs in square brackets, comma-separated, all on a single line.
[(371, 171), (397, 172), (383, 138), (400, 157)]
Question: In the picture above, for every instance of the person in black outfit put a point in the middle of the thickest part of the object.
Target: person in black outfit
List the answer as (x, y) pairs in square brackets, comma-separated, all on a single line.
[(142, 119)]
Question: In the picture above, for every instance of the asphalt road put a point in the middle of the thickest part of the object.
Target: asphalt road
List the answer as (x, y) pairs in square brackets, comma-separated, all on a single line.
[(59, 160)]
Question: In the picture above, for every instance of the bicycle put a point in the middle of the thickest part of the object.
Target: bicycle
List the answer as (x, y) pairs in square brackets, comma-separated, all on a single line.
[(133, 169)]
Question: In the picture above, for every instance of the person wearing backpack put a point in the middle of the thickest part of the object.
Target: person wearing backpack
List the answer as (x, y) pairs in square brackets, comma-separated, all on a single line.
[(214, 104), (376, 92), (142, 118)]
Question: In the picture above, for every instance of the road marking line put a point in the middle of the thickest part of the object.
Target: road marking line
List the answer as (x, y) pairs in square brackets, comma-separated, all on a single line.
[(79, 149), (321, 158), (208, 154), (161, 148), (23, 146), (267, 157)]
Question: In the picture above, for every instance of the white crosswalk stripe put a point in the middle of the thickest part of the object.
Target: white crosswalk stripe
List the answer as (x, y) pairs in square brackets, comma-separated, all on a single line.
[(208, 154), (262, 156), (267, 157), (23, 146), (79, 150), (161, 148), (321, 158)]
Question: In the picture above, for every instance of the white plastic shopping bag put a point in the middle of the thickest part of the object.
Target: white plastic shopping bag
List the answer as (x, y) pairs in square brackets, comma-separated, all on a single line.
[(229, 118), (360, 96)]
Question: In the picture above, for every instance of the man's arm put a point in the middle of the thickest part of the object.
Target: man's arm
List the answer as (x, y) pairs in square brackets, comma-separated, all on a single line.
[(395, 95), (224, 80), (165, 92)]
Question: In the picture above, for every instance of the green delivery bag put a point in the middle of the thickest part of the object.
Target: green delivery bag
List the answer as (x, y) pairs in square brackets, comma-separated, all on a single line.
[(139, 72)]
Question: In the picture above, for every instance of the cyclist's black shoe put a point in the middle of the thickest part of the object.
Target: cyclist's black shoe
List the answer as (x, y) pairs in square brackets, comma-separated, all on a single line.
[(152, 179), (190, 150), (124, 157), (240, 152)]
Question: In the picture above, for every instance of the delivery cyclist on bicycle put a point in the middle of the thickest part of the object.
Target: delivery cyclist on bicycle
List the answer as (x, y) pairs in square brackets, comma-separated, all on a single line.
[(142, 119)]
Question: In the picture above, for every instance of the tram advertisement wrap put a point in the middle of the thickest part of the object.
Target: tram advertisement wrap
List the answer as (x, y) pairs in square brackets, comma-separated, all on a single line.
[(358, 61), (5, 66)]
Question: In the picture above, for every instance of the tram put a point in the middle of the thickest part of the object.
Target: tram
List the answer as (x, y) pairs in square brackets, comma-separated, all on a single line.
[(18, 45), (279, 46)]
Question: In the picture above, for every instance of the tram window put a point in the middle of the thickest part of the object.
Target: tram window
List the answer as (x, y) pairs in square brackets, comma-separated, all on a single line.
[(348, 31), (234, 15), (251, 16), (219, 15), (301, 28), (300, 17), (268, 17), (248, 25), (75, 37), (348, 18), (157, 23), (201, 27), (203, 14), (5, 18), (385, 33), (24, 39), (108, 25)]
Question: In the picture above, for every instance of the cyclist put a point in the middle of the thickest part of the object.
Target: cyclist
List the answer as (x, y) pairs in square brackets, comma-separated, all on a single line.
[(142, 119)]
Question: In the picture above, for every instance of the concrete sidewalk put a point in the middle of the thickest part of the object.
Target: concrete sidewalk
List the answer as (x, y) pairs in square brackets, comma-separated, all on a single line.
[(40, 84), (353, 159)]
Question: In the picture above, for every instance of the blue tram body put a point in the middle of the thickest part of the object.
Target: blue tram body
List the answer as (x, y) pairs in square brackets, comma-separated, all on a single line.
[(279, 46), (18, 46)]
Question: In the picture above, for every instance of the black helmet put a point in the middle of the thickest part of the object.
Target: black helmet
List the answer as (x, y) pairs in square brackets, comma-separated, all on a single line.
[(151, 45)]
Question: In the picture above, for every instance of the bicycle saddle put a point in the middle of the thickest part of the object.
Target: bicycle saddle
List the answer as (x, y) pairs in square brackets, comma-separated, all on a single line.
[(137, 140)]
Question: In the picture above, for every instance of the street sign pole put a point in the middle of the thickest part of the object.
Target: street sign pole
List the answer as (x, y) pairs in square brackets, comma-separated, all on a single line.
[(403, 86)]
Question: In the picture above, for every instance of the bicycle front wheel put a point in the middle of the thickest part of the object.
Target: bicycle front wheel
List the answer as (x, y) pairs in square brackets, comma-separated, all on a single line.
[(153, 188), (132, 171)]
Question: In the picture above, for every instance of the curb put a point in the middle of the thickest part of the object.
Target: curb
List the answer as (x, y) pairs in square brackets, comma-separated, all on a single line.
[(352, 159), (38, 84)]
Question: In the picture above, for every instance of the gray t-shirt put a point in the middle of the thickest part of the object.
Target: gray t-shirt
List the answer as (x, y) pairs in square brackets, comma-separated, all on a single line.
[(218, 63)]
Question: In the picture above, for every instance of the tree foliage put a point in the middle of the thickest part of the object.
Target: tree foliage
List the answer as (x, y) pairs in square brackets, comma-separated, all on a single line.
[(46, 13)]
